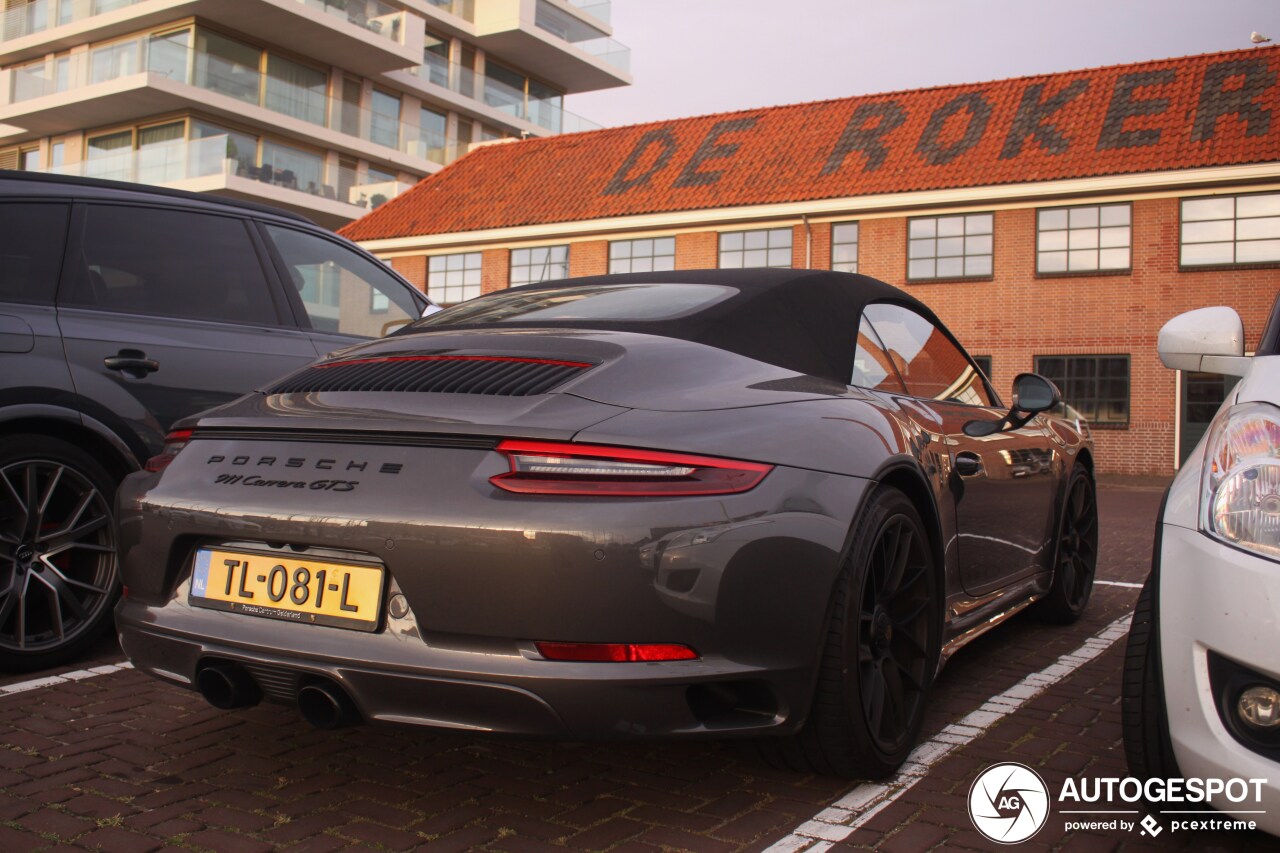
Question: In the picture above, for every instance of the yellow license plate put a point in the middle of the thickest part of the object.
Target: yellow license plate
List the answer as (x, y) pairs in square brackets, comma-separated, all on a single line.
[(310, 591)]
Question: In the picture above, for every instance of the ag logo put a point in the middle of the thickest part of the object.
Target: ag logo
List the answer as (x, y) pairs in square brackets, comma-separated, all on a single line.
[(1008, 803)]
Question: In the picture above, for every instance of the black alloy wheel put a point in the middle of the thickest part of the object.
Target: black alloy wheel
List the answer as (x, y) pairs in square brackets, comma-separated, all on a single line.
[(58, 569), (893, 633), (880, 652), (1077, 551)]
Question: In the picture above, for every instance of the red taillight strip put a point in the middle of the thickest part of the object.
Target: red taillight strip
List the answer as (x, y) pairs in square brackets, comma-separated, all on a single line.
[(626, 454), (581, 365), (614, 652), (712, 476)]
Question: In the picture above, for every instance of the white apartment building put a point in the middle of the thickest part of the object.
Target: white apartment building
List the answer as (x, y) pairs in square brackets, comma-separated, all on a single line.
[(325, 107)]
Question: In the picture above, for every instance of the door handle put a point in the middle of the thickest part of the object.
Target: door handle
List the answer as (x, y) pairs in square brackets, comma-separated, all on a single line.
[(968, 464), (132, 363)]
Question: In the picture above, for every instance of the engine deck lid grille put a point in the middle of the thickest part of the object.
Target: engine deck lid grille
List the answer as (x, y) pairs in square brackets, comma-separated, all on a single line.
[(439, 373)]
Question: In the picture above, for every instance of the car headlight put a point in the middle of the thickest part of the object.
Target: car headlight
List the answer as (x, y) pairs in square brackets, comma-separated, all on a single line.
[(1240, 486)]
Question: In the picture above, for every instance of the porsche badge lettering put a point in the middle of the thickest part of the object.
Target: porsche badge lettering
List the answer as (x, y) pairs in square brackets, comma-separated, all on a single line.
[(245, 460)]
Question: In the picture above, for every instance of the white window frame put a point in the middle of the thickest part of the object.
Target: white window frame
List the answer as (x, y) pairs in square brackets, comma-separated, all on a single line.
[(1252, 222), (1087, 238), (453, 278), (741, 248), (660, 252), (840, 233), (960, 236), (552, 266)]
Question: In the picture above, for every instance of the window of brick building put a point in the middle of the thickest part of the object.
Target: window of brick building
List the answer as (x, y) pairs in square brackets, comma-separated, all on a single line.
[(984, 364), (765, 248), (950, 246), (649, 255), (1089, 238), (453, 278), (844, 247), (542, 263), (1242, 229), (1096, 386)]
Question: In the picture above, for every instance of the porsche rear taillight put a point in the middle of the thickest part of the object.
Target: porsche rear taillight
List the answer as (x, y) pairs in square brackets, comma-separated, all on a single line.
[(173, 442), (564, 468), (614, 652)]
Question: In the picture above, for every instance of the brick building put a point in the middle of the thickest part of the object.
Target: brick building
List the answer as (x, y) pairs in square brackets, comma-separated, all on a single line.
[(1053, 222)]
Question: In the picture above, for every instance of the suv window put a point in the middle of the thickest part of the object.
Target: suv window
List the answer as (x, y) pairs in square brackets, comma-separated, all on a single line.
[(174, 263), (342, 291), (930, 364), (32, 238)]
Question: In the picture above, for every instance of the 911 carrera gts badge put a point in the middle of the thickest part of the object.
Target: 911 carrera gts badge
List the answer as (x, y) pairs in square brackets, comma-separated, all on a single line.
[(262, 482)]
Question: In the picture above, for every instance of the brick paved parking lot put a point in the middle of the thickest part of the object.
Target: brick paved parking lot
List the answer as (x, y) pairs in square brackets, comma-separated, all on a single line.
[(118, 761)]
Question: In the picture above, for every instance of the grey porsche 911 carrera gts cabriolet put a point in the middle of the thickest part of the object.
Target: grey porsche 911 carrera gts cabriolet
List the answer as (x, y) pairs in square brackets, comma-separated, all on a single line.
[(747, 502)]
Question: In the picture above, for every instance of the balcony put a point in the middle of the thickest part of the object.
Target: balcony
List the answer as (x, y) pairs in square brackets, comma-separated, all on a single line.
[(505, 104), (558, 41), (584, 36), (464, 9), (365, 36), (602, 10), (145, 76), (211, 165)]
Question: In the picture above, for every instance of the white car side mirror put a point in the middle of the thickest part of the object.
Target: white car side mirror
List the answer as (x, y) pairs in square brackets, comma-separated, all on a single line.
[(1208, 340)]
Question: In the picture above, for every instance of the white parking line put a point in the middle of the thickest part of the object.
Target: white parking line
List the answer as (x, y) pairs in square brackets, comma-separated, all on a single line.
[(1124, 584), (843, 817), (51, 680)]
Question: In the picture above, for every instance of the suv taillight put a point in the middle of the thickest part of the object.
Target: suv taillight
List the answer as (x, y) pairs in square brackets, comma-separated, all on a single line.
[(173, 442)]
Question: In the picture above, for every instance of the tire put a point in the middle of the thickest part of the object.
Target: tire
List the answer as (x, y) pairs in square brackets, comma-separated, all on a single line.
[(879, 654), (59, 578), (1147, 746), (1076, 555)]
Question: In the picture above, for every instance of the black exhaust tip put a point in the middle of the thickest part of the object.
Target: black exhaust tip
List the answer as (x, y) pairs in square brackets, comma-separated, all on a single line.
[(227, 686), (325, 705)]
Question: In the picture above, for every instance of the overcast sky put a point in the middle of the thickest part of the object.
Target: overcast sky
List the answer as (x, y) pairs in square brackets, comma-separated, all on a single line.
[(691, 57)]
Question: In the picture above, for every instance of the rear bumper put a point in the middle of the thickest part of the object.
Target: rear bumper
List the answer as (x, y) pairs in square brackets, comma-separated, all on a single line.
[(471, 691), (744, 579)]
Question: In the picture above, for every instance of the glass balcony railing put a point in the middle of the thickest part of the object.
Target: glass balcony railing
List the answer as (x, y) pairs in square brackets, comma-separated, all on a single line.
[(580, 34), (464, 9), (39, 15), (374, 15), (183, 159), (222, 70), (613, 52), (601, 9), (546, 113)]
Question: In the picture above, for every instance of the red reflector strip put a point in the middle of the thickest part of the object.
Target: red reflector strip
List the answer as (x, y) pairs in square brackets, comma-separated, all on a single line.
[(582, 365), (615, 652), (564, 468)]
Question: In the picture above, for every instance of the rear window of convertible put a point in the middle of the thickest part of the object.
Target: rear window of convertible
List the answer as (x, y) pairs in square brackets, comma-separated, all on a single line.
[(633, 302)]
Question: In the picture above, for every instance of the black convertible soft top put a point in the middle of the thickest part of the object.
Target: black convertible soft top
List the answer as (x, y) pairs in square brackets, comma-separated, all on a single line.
[(802, 320)]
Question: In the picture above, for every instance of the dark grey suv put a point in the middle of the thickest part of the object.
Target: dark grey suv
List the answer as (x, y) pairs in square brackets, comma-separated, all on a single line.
[(122, 309)]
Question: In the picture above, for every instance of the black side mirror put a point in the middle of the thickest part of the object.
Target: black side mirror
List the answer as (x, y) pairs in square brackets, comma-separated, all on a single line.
[(1032, 394)]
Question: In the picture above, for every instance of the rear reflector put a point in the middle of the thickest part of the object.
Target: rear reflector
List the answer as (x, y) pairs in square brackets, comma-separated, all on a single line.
[(173, 442), (615, 652), (563, 468)]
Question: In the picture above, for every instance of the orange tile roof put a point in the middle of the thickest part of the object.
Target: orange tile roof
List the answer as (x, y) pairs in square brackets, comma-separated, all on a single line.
[(1208, 110)]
